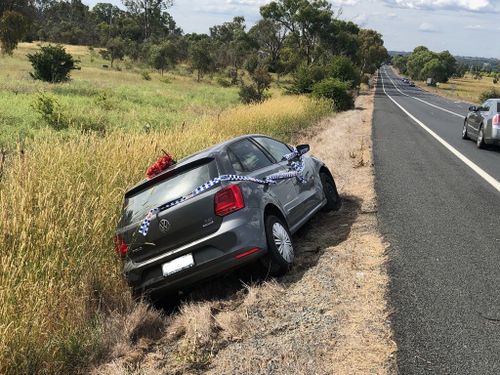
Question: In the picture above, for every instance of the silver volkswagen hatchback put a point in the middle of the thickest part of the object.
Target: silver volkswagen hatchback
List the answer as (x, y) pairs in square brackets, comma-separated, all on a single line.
[(483, 123), (227, 224)]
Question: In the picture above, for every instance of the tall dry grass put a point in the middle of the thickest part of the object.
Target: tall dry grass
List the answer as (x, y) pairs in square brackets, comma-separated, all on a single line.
[(59, 202)]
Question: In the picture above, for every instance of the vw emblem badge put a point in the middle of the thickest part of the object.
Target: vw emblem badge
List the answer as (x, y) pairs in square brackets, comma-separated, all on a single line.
[(164, 225)]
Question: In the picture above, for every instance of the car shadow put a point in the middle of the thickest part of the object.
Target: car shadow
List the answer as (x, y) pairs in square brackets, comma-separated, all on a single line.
[(323, 231)]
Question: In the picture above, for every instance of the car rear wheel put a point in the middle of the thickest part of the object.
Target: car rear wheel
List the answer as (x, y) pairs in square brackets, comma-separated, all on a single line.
[(480, 138), (333, 201), (464, 131), (280, 255)]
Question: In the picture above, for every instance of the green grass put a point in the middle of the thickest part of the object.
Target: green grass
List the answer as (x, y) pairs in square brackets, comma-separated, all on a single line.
[(115, 99)]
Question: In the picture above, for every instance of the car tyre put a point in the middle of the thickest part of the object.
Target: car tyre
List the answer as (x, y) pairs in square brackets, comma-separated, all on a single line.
[(464, 131), (333, 201), (280, 253), (480, 138)]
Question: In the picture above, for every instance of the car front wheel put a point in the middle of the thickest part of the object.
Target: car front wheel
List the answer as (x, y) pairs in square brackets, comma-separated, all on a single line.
[(333, 201), (280, 255), (464, 131), (480, 138)]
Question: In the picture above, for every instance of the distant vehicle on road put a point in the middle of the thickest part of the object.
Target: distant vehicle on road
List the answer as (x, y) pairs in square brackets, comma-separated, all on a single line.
[(406, 80), (222, 225), (412, 84), (430, 82), (482, 124)]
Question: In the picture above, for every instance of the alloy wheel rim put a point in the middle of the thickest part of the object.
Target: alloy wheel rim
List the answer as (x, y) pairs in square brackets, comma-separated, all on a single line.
[(464, 130), (480, 137), (283, 242)]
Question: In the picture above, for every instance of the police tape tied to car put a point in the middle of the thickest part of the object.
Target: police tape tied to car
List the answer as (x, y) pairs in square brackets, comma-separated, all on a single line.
[(297, 166)]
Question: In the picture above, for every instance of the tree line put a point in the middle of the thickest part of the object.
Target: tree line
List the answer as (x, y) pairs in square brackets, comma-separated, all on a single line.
[(304, 38), (422, 64)]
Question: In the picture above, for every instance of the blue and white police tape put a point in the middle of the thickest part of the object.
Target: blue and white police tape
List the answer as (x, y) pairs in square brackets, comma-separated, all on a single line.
[(298, 167)]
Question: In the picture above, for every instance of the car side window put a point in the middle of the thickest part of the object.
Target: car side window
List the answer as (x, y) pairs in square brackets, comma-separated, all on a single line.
[(234, 161), (249, 155), (275, 148)]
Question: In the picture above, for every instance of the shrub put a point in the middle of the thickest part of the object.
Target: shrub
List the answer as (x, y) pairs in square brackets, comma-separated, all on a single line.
[(489, 94), (335, 90), (223, 82), (342, 68), (495, 80), (305, 77), (52, 64), (50, 111), (146, 76), (249, 94), (256, 92)]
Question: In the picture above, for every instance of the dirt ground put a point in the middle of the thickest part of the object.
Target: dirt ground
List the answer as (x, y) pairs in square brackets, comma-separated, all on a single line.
[(328, 316)]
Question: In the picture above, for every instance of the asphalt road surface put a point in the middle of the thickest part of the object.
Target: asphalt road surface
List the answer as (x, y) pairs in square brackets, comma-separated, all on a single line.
[(439, 210)]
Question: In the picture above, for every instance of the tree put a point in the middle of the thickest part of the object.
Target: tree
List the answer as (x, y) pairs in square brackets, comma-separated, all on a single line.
[(13, 26), (400, 62), (116, 49), (270, 37), (256, 92), (305, 19), (231, 44), (434, 69), (372, 52), (200, 57), (152, 15), (52, 64), (163, 56)]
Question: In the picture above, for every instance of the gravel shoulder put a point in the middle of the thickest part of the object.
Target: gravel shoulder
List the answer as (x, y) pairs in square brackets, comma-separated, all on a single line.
[(329, 315)]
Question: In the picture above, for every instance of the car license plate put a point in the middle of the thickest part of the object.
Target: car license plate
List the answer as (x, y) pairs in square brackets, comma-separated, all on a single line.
[(178, 264)]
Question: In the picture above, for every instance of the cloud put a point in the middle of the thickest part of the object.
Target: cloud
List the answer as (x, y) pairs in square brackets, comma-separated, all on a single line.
[(361, 19), (474, 27), (468, 5), (344, 2), (427, 28)]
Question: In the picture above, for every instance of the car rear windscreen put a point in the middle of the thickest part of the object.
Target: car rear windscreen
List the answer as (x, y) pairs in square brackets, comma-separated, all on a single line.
[(138, 205)]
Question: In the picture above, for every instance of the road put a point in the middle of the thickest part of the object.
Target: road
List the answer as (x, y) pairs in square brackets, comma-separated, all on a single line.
[(439, 210)]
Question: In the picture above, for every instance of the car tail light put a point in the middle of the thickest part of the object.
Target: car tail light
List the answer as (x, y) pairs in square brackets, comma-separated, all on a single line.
[(121, 247), (228, 200), (496, 120)]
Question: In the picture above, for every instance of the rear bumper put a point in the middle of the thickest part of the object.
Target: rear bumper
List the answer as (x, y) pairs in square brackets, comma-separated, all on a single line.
[(495, 136), (213, 255)]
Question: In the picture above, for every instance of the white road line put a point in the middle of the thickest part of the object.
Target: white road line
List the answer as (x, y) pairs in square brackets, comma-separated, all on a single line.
[(423, 101), (481, 172)]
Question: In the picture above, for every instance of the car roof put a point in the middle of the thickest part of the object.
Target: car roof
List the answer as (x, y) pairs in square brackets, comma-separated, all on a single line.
[(206, 153)]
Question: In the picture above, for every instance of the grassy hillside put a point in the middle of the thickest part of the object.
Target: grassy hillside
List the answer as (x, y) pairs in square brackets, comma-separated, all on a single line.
[(104, 97), (60, 197)]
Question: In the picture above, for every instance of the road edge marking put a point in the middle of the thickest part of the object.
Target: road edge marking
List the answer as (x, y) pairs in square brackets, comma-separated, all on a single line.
[(481, 172), (423, 101)]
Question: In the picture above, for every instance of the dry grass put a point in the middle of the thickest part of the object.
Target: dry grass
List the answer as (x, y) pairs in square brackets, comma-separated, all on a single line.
[(466, 88), (328, 316), (60, 280)]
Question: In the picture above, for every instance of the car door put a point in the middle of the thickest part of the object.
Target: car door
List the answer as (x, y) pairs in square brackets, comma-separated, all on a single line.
[(306, 197), (250, 159), (476, 118), (483, 113)]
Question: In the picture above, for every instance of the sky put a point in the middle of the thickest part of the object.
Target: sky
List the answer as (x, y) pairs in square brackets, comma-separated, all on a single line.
[(464, 27)]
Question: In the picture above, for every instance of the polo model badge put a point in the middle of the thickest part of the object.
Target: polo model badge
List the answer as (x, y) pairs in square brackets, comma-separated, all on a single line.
[(164, 225)]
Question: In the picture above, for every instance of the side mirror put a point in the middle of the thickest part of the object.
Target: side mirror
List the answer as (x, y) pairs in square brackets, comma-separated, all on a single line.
[(473, 108), (303, 149)]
